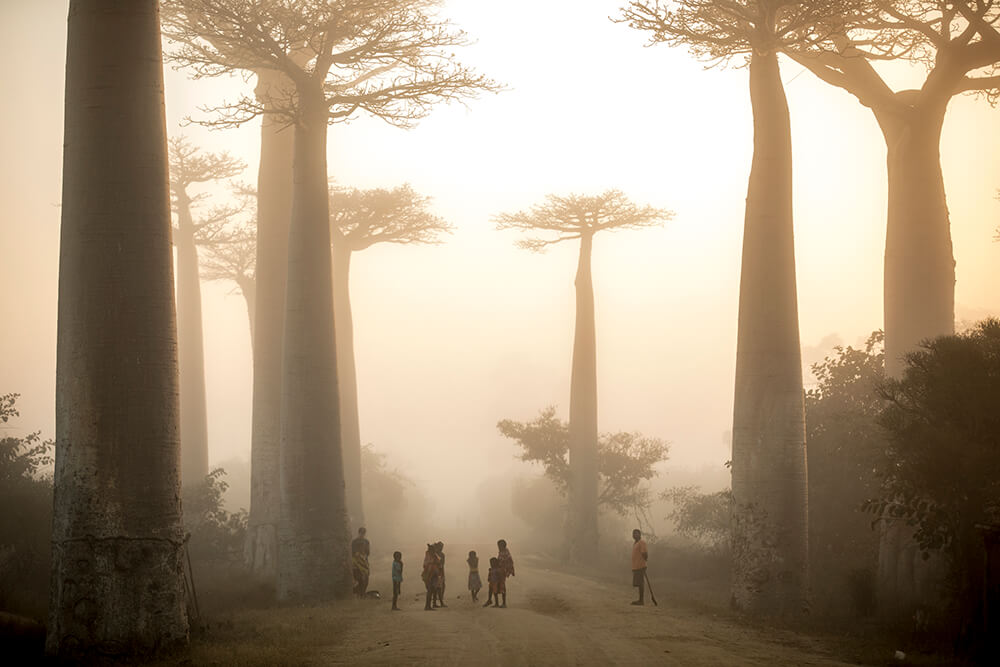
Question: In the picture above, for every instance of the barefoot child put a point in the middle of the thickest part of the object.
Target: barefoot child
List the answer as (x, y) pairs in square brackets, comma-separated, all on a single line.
[(397, 577), (491, 580), (475, 583)]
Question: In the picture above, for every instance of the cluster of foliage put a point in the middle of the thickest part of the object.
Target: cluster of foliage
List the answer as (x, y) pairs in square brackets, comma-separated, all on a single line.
[(845, 441), (940, 471), (702, 517), (217, 536), (395, 509), (25, 522), (624, 460)]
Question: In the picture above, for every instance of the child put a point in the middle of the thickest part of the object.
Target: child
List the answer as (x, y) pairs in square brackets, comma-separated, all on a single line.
[(491, 579), (430, 575), (397, 577), (475, 583)]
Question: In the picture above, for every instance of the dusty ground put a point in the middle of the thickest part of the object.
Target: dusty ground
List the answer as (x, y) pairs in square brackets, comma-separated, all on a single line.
[(552, 618)]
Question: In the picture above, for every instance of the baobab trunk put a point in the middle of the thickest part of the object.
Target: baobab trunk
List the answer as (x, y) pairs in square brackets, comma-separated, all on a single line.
[(117, 581), (770, 512), (919, 283), (248, 289), (191, 351), (313, 537), (583, 416), (274, 213), (919, 303), (350, 423)]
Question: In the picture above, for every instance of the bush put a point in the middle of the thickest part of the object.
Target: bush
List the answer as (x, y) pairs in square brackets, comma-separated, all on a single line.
[(25, 534)]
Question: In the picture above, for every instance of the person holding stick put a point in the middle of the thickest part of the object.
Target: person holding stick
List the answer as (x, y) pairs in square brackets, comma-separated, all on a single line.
[(640, 556)]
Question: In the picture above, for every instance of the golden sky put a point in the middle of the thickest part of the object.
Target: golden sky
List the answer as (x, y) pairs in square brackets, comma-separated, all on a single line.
[(452, 338)]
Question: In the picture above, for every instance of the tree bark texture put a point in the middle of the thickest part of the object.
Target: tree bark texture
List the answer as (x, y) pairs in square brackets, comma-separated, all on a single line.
[(770, 527), (117, 578), (191, 351), (313, 536), (350, 422), (583, 416), (274, 212), (919, 303), (248, 290)]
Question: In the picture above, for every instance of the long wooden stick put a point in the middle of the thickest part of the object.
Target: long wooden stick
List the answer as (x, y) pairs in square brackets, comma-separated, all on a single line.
[(651, 596)]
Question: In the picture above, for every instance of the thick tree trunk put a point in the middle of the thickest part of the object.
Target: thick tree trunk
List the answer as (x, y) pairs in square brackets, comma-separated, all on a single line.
[(919, 303), (583, 416), (919, 287), (350, 423), (770, 527), (274, 213), (191, 351), (117, 578), (313, 536)]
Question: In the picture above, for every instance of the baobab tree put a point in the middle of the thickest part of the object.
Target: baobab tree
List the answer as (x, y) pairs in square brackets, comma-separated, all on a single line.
[(389, 58), (358, 220), (570, 218), (770, 509), (234, 259), (958, 44), (191, 167), (117, 537)]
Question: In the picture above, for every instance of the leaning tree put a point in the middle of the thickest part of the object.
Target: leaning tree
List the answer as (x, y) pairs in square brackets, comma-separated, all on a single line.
[(564, 219), (770, 509), (359, 219), (392, 59), (958, 44), (191, 167), (117, 537)]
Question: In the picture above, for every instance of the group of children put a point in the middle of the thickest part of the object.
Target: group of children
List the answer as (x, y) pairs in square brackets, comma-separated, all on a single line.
[(501, 567)]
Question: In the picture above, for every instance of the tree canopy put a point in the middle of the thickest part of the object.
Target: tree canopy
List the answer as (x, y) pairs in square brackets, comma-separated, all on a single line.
[(190, 166), (563, 218), (624, 460), (391, 58), (361, 218)]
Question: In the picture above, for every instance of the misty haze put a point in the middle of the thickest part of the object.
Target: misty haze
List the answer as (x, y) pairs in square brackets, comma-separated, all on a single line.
[(575, 332)]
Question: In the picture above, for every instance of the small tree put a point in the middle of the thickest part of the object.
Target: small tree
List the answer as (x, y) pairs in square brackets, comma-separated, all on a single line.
[(702, 517), (191, 167), (570, 218), (941, 469), (624, 460), (358, 220)]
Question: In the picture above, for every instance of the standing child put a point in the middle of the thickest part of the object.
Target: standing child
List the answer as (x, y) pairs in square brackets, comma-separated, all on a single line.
[(397, 577), (491, 580), (475, 583), (506, 565), (430, 575)]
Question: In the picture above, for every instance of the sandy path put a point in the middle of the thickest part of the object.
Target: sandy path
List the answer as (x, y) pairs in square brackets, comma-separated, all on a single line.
[(556, 619)]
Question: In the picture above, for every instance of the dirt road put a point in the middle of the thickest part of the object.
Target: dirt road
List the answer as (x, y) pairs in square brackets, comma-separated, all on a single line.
[(555, 619)]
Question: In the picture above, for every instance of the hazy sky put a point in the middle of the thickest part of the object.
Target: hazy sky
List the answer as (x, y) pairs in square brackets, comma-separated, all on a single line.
[(452, 338)]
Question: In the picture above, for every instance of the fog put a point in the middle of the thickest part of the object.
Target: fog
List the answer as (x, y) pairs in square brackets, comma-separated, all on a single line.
[(452, 338)]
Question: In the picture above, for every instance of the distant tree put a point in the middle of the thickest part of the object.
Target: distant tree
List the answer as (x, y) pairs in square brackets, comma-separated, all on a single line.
[(392, 59), (235, 259), (844, 443), (941, 469), (770, 539), (358, 220), (624, 460), (958, 43), (190, 167), (117, 538), (566, 219)]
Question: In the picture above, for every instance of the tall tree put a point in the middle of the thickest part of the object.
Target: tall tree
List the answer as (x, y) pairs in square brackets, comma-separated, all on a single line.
[(117, 538), (958, 43), (234, 259), (392, 59), (359, 219), (189, 168), (770, 499), (563, 219)]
